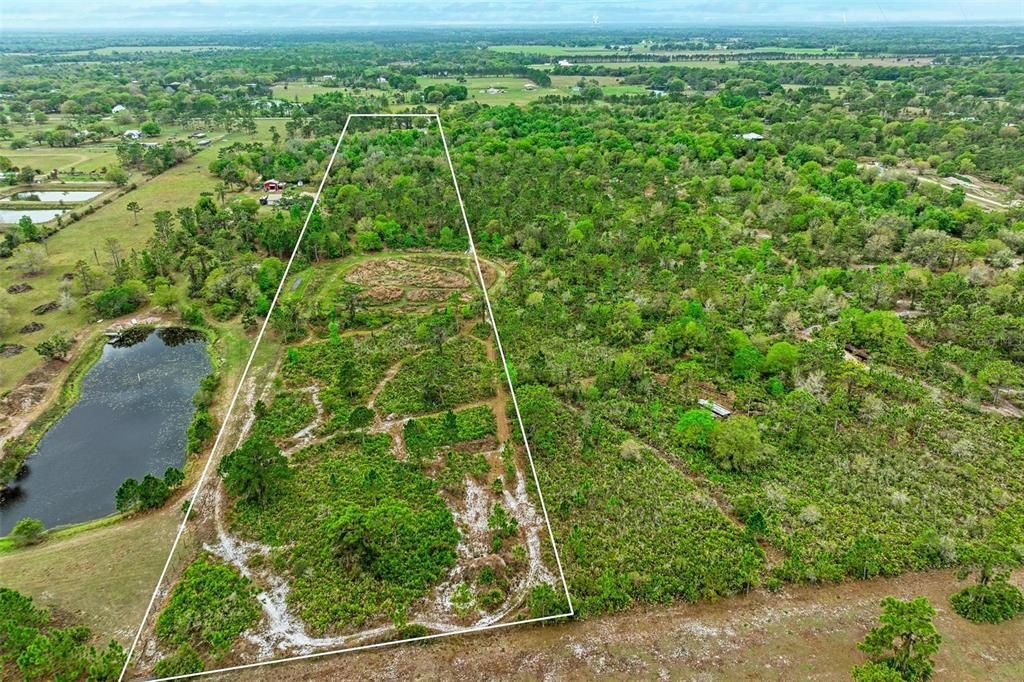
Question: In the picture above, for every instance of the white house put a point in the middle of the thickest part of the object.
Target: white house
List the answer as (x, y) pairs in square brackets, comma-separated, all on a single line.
[(132, 134), (118, 108), (564, 62), (752, 136)]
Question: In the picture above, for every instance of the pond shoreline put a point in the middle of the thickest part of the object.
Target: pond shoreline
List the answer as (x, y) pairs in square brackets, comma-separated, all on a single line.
[(22, 447)]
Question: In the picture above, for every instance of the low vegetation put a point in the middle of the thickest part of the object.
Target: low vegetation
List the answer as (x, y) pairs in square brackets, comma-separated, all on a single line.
[(36, 646)]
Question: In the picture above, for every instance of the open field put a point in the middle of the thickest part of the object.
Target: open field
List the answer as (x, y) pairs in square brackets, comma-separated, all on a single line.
[(799, 633), (515, 93), (86, 159), (85, 240), (102, 577), (300, 91)]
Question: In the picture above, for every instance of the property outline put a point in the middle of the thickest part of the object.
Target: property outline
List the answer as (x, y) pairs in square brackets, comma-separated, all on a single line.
[(234, 399)]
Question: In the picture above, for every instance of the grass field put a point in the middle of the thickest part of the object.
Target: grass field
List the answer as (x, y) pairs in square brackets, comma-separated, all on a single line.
[(86, 159), (515, 93), (85, 240), (103, 577), (179, 186), (298, 91)]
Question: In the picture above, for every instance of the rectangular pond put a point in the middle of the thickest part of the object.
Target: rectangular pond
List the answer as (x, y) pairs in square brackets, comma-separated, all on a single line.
[(53, 195), (131, 420), (38, 215)]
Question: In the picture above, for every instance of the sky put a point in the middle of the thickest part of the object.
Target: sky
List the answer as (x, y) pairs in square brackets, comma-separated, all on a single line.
[(220, 15)]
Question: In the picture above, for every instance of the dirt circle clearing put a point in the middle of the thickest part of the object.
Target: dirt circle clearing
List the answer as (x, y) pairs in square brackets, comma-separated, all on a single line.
[(406, 273)]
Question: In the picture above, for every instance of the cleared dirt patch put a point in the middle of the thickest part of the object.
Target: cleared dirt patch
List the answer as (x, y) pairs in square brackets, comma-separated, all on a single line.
[(800, 633), (45, 308), (421, 295), (403, 272), (9, 350), (381, 295)]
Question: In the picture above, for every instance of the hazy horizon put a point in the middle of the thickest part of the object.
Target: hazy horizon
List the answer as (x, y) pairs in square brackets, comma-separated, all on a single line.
[(226, 15)]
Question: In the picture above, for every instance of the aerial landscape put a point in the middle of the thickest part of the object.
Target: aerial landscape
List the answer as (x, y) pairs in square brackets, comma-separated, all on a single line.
[(463, 341)]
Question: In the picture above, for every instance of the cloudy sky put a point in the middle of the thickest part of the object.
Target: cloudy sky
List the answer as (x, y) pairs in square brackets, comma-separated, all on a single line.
[(278, 14)]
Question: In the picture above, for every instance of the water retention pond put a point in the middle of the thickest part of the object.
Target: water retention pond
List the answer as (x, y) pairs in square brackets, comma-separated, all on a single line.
[(130, 420)]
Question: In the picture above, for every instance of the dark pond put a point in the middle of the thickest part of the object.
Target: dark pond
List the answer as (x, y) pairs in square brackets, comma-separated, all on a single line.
[(131, 420)]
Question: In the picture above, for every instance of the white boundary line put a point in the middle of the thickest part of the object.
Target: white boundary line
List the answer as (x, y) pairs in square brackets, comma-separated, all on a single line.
[(234, 400)]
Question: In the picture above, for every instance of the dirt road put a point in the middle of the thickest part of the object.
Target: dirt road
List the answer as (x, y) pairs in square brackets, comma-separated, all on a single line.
[(802, 633)]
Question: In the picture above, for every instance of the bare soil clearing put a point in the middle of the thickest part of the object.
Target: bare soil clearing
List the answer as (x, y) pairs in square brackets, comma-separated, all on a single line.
[(805, 633)]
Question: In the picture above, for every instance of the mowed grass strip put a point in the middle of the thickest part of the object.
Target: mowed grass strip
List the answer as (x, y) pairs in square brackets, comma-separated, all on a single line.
[(104, 577)]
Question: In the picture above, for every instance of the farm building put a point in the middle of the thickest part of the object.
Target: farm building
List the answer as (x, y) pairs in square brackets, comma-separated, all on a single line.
[(272, 185), (132, 134)]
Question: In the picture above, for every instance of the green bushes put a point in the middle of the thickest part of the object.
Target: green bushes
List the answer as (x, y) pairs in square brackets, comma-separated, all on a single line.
[(203, 426), (209, 607), (28, 531), (424, 434), (544, 601), (903, 642), (287, 413), (120, 299), (629, 529), (736, 445), (200, 430), (183, 661), (385, 538), (439, 379), (992, 602), (32, 644)]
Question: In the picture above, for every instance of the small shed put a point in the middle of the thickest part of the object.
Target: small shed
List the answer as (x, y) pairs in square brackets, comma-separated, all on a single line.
[(719, 411), (272, 185), (118, 108), (132, 134)]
